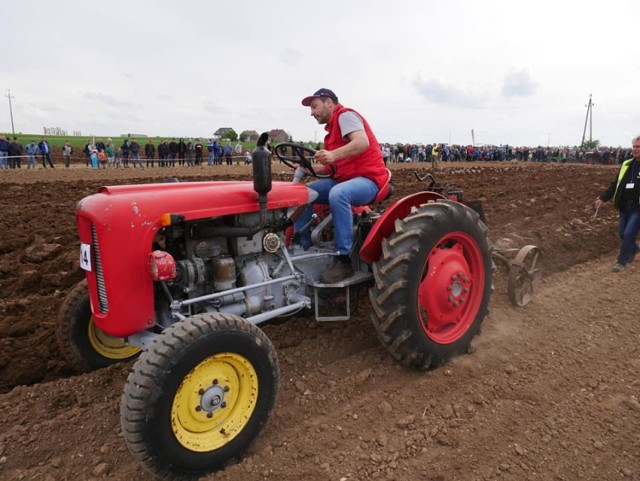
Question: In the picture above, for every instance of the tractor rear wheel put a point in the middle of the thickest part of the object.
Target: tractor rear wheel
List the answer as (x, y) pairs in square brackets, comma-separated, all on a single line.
[(432, 284), (84, 346), (199, 396)]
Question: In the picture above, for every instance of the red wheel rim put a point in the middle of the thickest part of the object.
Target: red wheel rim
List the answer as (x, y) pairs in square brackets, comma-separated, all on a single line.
[(451, 288)]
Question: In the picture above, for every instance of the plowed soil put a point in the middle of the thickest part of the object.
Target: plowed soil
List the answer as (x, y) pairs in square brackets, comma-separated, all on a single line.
[(550, 391)]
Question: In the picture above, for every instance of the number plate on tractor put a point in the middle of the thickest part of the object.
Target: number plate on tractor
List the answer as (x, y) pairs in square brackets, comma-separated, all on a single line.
[(85, 256)]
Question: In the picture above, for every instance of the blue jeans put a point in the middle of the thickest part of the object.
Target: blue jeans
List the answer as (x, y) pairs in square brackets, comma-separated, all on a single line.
[(340, 196), (629, 229), (3, 159)]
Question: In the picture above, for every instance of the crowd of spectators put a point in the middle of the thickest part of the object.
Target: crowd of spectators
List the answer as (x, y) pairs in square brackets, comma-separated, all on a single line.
[(194, 152), (107, 154), (167, 153), (469, 153)]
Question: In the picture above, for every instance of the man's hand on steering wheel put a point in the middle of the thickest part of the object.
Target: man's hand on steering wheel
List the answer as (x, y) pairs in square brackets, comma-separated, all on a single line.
[(300, 156)]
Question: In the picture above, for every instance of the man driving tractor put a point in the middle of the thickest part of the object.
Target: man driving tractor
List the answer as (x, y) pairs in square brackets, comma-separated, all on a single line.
[(353, 157)]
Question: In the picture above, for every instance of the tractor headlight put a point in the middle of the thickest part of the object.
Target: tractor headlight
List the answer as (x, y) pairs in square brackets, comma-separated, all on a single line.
[(162, 266)]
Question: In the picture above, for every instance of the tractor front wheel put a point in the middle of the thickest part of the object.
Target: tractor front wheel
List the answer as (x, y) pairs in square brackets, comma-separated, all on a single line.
[(84, 346), (199, 396), (432, 284)]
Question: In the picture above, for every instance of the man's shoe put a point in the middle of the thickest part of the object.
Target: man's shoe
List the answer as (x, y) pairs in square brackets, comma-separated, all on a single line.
[(336, 273), (618, 267)]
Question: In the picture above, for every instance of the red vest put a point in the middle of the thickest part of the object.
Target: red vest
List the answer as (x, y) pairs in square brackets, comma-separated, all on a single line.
[(367, 164)]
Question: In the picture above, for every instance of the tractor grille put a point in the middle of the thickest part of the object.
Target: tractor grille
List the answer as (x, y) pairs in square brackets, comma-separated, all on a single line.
[(102, 291)]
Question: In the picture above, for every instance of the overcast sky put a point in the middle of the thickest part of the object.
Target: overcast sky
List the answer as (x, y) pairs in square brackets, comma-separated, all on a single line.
[(515, 72)]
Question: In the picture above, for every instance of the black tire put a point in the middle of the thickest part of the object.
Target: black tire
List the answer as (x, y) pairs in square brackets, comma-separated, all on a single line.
[(187, 373), (84, 346), (432, 284)]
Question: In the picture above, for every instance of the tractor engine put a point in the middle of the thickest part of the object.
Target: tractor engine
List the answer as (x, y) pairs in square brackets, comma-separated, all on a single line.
[(208, 263)]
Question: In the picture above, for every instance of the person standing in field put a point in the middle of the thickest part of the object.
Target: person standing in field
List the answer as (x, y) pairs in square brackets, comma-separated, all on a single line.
[(4, 152), (150, 153), (110, 150), (217, 153), (228, 150), (182, 151), (45, 152), (15, 154), (102, 158), (238, 152), (163, 153), (198, 150), (125, 153), (210, 149), (625, 191), (86, 150), (118, 159), (173, 152), (67, 150), (190, 150), (31, 151), (134, 149)]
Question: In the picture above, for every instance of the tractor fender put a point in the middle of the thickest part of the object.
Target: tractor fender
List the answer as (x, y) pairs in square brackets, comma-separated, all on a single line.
[(372, 245)]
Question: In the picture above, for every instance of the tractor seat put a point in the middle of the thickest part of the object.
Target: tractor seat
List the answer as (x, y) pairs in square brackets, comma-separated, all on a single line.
[(386, 191), (383, 194)]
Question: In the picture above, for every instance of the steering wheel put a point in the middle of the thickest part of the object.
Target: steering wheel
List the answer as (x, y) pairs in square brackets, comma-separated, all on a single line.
[(300, 156)]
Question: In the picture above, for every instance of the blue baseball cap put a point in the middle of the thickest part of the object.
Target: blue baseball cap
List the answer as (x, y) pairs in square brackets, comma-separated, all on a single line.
[(320, 93)]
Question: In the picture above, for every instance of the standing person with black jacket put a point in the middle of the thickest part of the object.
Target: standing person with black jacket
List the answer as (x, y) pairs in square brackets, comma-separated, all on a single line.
[(100, 146), (199, 148), (125, 153), (86, 150), (134, 153), (625, 191), (173, 152), (182, 151), (15, 154), (150, 152), (163, 154)]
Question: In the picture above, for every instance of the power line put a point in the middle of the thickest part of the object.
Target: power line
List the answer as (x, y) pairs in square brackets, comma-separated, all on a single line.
[(588, 119), (13, 130)]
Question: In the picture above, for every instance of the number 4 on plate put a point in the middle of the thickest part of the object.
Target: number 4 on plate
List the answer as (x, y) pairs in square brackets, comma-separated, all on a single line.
[(85, 256)]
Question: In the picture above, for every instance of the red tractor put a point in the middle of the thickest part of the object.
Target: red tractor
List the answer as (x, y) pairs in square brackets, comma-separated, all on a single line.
[(180, 275)]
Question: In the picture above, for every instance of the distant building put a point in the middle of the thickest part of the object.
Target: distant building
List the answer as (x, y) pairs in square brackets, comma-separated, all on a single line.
[(135, 136), (249, 136), (279, 135), (221, 133)]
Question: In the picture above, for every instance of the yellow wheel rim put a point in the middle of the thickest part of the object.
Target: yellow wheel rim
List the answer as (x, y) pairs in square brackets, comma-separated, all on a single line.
[(214, 402), (109, 347)]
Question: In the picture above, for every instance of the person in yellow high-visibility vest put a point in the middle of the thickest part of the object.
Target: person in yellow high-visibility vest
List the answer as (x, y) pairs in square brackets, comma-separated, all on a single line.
[(434, 155), (625, 191)]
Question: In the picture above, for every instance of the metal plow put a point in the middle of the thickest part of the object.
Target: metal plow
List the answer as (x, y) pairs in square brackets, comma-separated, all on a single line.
[(524, 268)]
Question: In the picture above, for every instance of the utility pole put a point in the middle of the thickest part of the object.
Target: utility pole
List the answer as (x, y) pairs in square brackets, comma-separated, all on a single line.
[(588, 119), (13, 131)]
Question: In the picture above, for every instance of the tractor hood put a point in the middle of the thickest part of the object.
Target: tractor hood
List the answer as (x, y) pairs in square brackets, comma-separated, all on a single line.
[(142, 205)]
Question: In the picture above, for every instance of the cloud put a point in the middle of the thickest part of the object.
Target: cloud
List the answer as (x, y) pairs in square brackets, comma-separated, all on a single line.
[(213, 108), (105, 99), (518, 82), (290, 57), (442, 92)]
